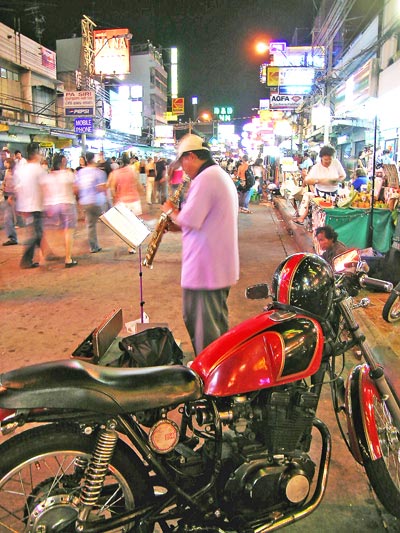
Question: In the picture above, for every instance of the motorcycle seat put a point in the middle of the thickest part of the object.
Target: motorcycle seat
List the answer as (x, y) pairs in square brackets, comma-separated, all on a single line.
[(74, 384)]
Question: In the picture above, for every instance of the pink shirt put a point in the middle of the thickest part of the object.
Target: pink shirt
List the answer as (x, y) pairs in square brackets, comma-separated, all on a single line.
[(125, 185), (209, 222), (177, 177)]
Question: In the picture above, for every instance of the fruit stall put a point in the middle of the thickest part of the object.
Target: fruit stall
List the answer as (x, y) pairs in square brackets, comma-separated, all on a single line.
[(351, 219)]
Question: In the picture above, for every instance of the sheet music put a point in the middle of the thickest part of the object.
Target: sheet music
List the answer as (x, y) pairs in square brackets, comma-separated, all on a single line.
[(126, 225)]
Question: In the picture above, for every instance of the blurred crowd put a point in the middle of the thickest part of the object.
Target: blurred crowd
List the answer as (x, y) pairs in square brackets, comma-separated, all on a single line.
[(42, 195)]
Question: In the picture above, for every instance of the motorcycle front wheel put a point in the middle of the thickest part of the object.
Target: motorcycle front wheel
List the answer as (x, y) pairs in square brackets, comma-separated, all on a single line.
[(391, 309), (384, 473), (41, 474)]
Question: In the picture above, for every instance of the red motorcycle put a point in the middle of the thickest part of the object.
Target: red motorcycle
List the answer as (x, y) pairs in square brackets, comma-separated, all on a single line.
[(221, 446)]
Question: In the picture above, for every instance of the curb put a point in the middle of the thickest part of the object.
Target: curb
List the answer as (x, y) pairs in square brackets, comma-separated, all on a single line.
[(302, 237)]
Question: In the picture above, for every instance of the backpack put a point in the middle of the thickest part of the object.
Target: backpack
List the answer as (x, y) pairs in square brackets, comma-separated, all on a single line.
[(250, 179)]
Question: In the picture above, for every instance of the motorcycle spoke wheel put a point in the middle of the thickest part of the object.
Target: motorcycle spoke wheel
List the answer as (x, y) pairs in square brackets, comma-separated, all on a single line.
[(384, 473), (41, 473), (391, 309)]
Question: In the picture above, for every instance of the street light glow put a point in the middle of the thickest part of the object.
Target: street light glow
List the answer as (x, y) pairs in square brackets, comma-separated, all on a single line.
[(262, 48)]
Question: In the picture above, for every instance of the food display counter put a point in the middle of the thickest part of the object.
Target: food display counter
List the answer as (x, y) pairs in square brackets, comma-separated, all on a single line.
[(352, 226)]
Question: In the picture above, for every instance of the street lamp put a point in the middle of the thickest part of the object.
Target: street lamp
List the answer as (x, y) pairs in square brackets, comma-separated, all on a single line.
[(261, 47)]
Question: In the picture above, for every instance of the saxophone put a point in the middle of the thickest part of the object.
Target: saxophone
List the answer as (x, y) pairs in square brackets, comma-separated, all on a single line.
[(162, 225)]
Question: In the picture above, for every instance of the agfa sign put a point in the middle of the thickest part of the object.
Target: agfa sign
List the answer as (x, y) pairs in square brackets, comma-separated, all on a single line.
[(285, 101)]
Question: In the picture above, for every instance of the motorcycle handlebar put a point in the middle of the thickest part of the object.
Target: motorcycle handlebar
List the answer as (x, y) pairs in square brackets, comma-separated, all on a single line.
[(372, 283)]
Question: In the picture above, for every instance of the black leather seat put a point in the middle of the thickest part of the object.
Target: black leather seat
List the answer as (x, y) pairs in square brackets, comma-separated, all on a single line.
[(74, 384)]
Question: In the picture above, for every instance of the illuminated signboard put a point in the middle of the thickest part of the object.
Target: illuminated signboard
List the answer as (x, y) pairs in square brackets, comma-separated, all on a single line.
[(111, 52), (223, 113), (285, 101), (164, 131), (290, 76), (178, 106), (298, 56)]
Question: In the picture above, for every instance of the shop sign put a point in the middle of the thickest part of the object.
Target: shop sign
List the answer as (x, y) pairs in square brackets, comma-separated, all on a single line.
[(111, 52), (83, 125), (170, 116), (277, 76), (79, 103), (178, 106), (79, 111), (285, 101)]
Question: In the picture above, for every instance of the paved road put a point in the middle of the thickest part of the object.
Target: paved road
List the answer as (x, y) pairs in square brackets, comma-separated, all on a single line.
[(46, 312)]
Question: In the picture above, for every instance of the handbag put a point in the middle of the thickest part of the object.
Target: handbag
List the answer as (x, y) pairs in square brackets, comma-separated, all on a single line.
[(151, 347)]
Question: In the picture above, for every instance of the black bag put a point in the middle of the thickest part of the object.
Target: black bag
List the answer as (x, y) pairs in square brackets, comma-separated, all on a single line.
[(250, 179), (151, 347)]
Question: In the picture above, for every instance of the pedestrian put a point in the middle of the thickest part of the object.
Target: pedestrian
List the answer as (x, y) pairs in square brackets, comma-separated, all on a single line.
[(302, 200), (91, 183), (210, 256), (142, 172), (246, 177), (10, 215), (4, 154), (328, 242), (114, 165), (150, 177), (59, 203), (125, 187), (82, 163), (175, 178), (29, 203), (260, 173), (307, 162), (326, 174), (161, 180), (103, 163), (18, 159)]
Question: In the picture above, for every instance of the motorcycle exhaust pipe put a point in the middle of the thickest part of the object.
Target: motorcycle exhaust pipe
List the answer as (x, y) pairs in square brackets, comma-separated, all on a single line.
[(286, 520)]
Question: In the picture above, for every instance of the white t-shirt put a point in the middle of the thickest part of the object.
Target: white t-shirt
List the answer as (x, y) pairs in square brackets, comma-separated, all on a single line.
[(209, 222), (333, 172), (27, 187), (58, 187)]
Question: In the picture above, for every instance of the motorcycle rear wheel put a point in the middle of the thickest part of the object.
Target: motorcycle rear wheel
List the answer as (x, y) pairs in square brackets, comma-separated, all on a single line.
[(40, 480), (391, 309), (384, 473)]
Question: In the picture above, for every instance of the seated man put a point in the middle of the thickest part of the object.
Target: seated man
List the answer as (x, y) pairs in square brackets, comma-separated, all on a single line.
[(328, 242)]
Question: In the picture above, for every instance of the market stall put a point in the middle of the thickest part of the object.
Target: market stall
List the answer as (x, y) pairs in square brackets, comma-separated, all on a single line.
[(352, 225)]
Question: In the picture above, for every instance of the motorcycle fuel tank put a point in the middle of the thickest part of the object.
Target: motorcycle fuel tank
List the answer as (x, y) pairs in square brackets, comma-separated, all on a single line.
[(273, 348)]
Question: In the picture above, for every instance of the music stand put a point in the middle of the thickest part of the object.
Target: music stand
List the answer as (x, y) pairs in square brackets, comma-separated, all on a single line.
[(133, 231)]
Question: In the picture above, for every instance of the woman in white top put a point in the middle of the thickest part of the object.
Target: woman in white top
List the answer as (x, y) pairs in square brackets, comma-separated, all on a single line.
[(60, 204), (326, 174)]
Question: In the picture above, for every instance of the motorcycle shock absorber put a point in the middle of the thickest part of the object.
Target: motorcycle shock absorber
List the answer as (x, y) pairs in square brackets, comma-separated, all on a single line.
[(97, 468)]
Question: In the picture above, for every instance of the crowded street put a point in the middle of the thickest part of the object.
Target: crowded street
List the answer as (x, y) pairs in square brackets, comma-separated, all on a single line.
[(48, 311), (200, 266)]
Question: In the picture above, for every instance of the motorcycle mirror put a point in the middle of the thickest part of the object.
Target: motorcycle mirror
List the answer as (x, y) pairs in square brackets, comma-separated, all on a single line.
[(257, 292), (345, 260)]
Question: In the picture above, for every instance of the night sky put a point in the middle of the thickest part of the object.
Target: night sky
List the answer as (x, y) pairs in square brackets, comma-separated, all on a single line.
[(215, 38)]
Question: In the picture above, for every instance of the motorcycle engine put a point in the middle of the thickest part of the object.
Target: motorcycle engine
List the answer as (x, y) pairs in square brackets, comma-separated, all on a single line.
[(265, 460)]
